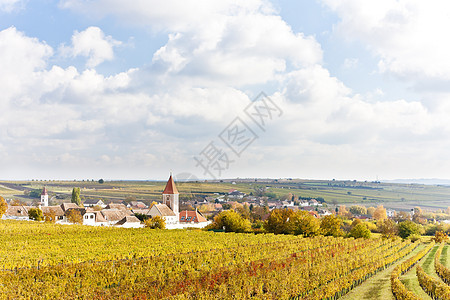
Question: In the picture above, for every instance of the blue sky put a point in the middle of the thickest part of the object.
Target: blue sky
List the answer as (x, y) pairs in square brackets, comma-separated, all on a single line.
[(133, 90)]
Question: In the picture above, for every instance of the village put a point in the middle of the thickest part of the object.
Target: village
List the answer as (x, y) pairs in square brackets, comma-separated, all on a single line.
[(97, 213)]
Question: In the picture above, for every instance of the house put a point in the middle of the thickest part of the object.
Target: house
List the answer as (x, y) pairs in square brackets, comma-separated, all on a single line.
[(235, 194), (193, 219), (66, 206), (164, 212), (138, 204), (112, 216), (119, 206), (390, 213), (94, 202), (129, 222), (54, 212), (16, 213)]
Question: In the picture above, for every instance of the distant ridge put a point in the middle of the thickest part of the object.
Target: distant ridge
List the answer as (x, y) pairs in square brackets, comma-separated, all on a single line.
[(427, 181)]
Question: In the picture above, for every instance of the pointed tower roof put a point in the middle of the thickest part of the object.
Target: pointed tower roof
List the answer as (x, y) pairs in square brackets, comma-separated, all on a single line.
[(170, 187), (44, 191)]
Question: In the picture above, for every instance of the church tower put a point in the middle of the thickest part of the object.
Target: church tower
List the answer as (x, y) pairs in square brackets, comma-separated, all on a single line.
[(170, 196), (44, 197)]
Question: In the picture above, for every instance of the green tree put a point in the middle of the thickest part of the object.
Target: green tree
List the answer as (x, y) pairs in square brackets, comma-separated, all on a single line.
[(101, 181), (360, 231), (304, 223), (331, 225), (231, 221), (156, 222), (407, 228), (387, 228), (74, 216), (35, 214), (278, 221), (3, 206), (76, 196)]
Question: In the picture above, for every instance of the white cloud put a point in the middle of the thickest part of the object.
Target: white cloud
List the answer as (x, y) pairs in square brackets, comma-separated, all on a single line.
[(216, 42), (93, 44), (10, 5), (408, 36)]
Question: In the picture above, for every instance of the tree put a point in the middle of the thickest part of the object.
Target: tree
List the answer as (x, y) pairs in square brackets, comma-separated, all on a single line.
[(360, 231), (304, 223), (358, 210), (440, 236), (402, 216), (17, 202), (230, 221), (370, 211), (387, 228), (278, 221), (35, 214), (331, 225), (407, 228), (50, 216), (74, 216), (380, 213), (76, 196), (101, 181), (156, 222), (3, 206)]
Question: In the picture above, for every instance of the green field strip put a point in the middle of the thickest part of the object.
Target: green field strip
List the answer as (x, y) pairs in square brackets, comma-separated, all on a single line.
[(444, 256), (379, 285), (411, 282), (428, 263)]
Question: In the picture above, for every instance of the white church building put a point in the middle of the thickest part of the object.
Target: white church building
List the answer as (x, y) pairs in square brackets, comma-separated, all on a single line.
[(169, 209)]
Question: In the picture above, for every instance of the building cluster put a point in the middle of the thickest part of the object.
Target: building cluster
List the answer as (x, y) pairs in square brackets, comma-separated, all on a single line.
[(97, 213)]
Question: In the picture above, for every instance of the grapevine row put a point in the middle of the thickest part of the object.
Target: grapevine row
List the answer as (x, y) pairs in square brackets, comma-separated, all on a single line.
[(398, 289), (441, 270)]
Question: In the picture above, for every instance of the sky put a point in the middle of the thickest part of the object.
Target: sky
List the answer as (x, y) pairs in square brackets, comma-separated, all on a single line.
[(326, 89)]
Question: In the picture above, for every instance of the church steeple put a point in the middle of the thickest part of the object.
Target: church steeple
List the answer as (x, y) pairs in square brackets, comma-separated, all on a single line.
[(170, 187), (170, 196), (44, 197)]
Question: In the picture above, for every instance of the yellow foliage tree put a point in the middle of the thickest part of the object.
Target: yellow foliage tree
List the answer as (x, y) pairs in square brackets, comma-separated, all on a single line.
[(380, 213)]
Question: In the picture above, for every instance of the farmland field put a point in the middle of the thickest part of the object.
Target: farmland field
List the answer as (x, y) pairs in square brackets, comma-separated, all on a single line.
[(395, 196), (42, 260)]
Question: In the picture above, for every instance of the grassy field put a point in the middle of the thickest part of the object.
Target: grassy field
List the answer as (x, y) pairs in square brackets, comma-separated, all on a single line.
[(395, 196)]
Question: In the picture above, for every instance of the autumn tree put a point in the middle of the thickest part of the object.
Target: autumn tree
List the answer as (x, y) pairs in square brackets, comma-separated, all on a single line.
[(360, 231), (35, 214), (76, 196), (370, 211), (230, 221), (331, 225), (304, 223), (402, 216), (278, 221), (50, 216), (156, 222), (408, 228), (358, 210), (380, 213), (74, 216), (3, 206), (17, 202), (440, 236), (387, 228)]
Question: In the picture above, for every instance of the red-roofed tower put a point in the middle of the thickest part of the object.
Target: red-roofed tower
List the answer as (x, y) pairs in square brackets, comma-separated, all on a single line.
[(170, 196), (44, 197)]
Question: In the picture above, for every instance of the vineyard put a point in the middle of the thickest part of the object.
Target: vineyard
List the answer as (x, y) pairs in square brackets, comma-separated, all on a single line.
[(46, 261)]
